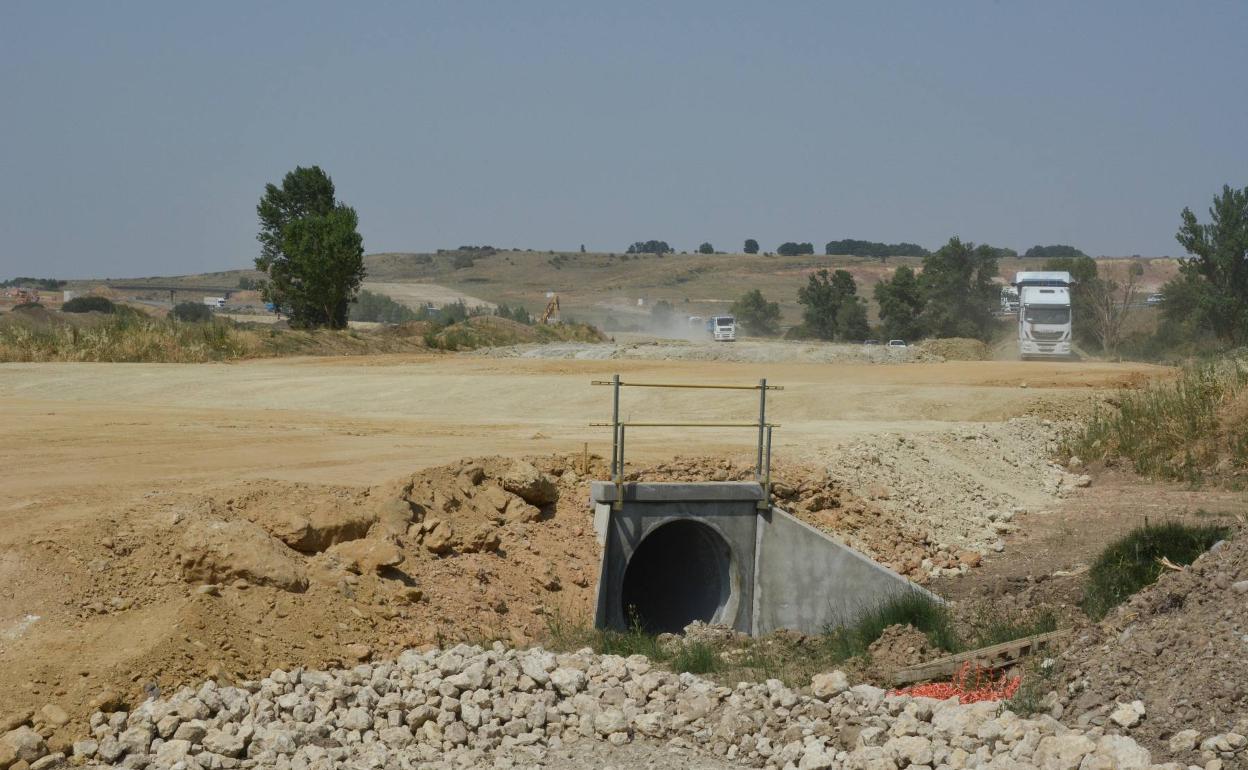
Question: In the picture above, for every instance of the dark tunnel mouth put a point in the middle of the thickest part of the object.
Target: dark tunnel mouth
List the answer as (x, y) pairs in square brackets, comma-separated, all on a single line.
[(681, 572)]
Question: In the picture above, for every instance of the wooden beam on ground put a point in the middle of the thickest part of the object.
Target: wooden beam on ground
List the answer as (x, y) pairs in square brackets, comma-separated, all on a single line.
[(996, 656)]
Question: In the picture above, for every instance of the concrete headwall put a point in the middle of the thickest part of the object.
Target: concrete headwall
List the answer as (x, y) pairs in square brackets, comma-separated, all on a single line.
[(674, 553), (677, 549)]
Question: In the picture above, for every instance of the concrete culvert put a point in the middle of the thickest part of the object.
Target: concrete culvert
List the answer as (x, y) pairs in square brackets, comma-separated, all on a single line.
[(681, 572)]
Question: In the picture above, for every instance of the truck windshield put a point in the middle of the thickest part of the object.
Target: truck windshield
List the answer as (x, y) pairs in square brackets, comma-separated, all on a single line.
[(1048, 315), (724, 321)]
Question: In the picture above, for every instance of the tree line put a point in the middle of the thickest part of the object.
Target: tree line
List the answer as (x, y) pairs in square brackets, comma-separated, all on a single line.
[(954, 296), (858, 248)]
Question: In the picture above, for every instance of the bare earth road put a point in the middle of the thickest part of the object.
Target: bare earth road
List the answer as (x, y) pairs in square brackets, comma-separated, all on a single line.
[(97, 453)]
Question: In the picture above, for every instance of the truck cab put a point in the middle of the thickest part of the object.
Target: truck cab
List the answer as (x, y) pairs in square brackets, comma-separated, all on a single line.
[(1044, 314), (723, 328)]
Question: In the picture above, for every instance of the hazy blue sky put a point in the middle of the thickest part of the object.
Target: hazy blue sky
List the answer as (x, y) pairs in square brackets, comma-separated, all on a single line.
[(138, 136)]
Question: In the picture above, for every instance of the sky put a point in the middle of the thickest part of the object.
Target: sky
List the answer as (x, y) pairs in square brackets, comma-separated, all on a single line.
[(136, 137)]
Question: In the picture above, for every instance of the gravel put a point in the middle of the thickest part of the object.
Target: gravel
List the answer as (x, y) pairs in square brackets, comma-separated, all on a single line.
[(474, 707)]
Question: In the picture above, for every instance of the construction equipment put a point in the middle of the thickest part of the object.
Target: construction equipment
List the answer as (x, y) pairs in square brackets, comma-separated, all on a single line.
[(551, 314)]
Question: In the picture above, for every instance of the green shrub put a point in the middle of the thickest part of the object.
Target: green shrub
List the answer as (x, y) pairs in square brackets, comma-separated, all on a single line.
[(1133, 562), (191, 312), (380, 308), (89, 304), (909, 608)]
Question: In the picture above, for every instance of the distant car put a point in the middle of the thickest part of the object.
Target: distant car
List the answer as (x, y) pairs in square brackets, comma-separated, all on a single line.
[(870, 342), (1155, 299), (896, 343)]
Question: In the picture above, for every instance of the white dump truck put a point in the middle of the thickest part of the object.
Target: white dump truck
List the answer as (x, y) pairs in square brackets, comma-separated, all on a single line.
[(1044, 314), (723, 328)]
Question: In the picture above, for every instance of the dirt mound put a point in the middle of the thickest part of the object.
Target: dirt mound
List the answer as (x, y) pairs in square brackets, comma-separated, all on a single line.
[(960, 488), (812, 495), (955, 349), (897, 648), (1178, 647), (235, 582)]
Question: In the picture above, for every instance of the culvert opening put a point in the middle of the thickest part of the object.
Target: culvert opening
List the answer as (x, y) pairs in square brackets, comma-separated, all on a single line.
[(680, 573)]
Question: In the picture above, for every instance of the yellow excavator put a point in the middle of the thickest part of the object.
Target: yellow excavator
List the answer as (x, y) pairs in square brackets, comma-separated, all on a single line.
[(551, 314)]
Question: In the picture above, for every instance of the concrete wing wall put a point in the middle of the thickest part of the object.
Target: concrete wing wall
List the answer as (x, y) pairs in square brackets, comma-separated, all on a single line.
[(807, 581)]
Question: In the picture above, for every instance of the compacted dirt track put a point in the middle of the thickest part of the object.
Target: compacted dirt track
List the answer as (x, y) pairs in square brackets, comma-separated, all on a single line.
[(103, 465)]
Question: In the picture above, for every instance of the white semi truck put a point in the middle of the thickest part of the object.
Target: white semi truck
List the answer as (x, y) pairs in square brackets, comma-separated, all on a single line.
[(1044, 314)]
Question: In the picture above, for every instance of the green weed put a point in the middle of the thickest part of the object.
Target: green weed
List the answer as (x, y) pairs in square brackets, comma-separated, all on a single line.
[(1133, 562), (910, 608), (696, 658)]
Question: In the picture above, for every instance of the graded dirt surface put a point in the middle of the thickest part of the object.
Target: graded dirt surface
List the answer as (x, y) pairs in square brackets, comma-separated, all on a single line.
[(111, 470), (367, 419)]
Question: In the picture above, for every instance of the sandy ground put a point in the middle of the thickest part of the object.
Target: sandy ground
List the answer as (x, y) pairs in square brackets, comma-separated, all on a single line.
[(77, 427), (116, 452)]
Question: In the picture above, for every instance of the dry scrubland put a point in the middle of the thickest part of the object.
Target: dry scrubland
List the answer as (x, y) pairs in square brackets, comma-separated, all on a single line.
[(603, 288), (131, 335), (167, 524)]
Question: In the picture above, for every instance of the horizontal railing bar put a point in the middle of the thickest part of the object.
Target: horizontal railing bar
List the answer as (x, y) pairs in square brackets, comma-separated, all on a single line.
[(684, 425), (683, 385)]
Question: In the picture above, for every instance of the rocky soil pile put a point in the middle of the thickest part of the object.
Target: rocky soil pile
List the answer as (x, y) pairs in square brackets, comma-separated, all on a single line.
[(473, 707), (961, 489), (1167, 667), (827, 503)]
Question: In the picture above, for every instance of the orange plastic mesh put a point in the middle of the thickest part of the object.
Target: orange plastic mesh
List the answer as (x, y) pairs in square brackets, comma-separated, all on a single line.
[(969, 685)]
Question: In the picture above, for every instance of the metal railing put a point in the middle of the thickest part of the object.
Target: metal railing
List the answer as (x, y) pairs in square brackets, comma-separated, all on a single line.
[(762, 467)]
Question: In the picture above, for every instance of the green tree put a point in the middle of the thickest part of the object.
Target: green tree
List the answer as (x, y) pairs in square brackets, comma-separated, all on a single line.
[(311, 249), (756, 314), (791, 249), (822, 298), (851, 320), (751, 246), (649, 247), (706, 248), (882, 251), (958, 293), (901, 304), (191, 312), (1220, 260), (89, 304), (1056, 251)]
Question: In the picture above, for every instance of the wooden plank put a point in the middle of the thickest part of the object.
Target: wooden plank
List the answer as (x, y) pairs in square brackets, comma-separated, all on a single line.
[(996, 656)]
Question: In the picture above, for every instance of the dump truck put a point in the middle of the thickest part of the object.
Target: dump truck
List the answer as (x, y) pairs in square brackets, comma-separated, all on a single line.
[(723, 328)]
